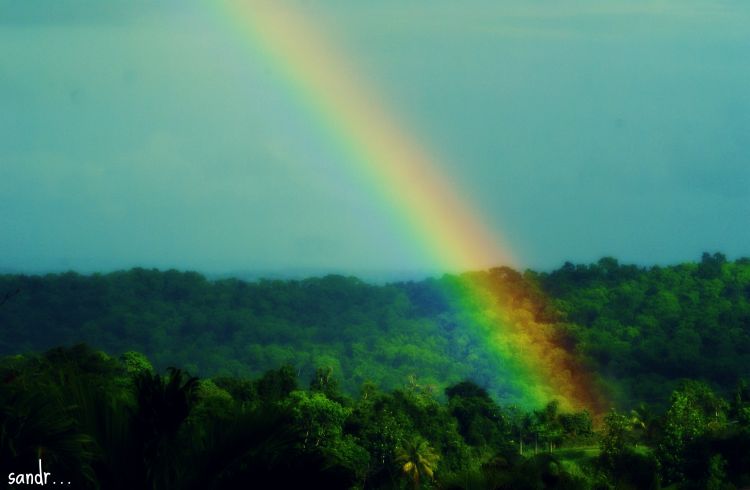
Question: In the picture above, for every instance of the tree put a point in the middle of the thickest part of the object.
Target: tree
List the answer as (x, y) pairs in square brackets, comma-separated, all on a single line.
[(710, 266), (276, 384), (318, 418), (520, 423), (627, 467), (480, 419), (545, 426), (552, 430), (136, 363), (694, 410), (324, 382), (717, 476), (33, 426), (615, 440), (644, 423), (577, 425), (417, 458), (163, 404)]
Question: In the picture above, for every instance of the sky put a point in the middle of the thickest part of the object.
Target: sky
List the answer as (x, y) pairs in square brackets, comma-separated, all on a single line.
[(137, 133)]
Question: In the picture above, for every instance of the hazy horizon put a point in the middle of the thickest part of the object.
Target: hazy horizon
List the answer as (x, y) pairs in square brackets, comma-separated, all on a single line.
[(367, 275)]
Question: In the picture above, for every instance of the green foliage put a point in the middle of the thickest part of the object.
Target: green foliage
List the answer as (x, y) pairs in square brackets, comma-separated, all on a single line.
[(649, 328), (276, 384), (211, 400), (694, 411), (421, 376), (319, 419), (325, 382), (720, 459), (241, 390), (626, 465), (480, 420), (418, 461), (136, 363), (33, 426), (616, 438), (716, 478), (577, 426), (102, 425), (163, 405), (640, 329)]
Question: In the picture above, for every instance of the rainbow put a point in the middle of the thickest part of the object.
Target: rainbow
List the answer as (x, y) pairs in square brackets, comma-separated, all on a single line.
[(409, 180)]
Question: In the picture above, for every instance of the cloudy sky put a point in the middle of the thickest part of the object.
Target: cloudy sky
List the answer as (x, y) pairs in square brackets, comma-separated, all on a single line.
[(145, 133)]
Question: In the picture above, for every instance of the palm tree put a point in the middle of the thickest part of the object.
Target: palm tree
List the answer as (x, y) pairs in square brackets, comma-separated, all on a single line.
[(33, 426), (417, 458), (163, 405), (643, 421), (253, 446)]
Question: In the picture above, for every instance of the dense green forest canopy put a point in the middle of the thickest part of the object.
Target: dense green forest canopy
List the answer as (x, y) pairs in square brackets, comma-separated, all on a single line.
[(335, 383), (640, 329), (103, 422)]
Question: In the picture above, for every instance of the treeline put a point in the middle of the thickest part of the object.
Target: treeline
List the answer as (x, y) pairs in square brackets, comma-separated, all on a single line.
[(101, 422), (234, 328), (641, 330), (647, 329)]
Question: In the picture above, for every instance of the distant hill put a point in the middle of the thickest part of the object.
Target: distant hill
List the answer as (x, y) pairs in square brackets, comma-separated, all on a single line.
[(640, 329)]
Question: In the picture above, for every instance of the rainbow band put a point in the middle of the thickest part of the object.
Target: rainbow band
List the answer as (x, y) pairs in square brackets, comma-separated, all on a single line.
[(409, 180), (530, 351)]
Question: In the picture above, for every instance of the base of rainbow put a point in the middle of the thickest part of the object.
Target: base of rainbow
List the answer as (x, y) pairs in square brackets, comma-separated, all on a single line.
[(534, 354)]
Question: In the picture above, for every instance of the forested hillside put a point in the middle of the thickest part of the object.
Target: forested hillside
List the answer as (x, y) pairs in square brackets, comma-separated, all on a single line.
[(335, 383), (646, 328), (101, 422), (640, 329)]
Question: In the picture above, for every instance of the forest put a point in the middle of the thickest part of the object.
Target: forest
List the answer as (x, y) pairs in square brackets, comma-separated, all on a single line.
[(166, 379)]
